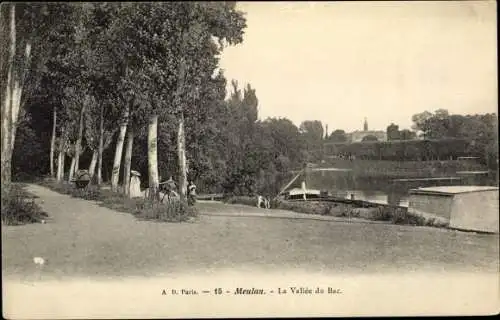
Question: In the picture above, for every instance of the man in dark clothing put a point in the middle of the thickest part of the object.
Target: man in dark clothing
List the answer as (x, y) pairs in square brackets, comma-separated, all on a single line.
[(191, 193), (171, 185), (168, 187)]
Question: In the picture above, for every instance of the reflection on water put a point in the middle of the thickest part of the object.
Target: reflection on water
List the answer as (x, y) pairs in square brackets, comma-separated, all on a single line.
[(383, 190)]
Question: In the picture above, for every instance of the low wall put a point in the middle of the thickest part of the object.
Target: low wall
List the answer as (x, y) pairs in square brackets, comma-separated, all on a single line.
[(476, 211), (431, 206)]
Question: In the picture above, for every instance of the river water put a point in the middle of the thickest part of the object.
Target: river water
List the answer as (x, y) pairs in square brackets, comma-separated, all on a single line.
[(384, 190)]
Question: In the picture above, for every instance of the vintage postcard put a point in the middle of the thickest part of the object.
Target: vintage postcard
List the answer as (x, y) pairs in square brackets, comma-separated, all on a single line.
[(249, 159)]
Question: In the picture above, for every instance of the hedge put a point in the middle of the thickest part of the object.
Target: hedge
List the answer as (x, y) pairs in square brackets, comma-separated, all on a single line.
[(416, 150)]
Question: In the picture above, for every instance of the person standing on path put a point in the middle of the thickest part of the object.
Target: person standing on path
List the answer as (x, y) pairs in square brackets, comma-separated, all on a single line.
[(191, 193)]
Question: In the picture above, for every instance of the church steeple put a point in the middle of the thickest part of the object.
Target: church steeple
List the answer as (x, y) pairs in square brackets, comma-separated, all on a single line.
[(365, 125)]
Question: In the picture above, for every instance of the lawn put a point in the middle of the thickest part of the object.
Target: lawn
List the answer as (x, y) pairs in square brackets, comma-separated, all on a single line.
[(82, 238)]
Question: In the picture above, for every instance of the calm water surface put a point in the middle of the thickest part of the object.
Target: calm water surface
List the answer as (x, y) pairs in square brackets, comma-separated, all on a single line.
[(383, 190)]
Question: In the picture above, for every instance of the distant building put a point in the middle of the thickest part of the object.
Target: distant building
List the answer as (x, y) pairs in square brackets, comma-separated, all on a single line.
[(357, 136)]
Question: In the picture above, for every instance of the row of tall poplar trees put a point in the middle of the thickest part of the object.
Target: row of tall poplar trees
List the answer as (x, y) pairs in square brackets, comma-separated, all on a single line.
[(113, 70)]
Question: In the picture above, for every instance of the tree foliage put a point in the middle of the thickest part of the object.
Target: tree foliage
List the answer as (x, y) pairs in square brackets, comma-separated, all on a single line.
[(338, 136), (162, 59), (393, 132), (369, 137), (479, 130)]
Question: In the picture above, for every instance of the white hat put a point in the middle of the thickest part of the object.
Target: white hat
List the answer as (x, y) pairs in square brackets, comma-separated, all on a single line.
[(135, 173)]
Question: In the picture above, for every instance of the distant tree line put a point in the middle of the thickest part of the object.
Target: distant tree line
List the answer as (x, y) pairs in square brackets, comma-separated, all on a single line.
[(479, 130), (393, 133), (399, 150), (435, 136)]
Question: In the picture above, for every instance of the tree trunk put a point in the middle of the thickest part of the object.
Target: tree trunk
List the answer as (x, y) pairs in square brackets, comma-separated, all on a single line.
[(53, 143), (6, 138), (78, 144), (128, 161), (101, 146), (115, 176), (18, 89), (153, 157), (16, 105), (93, 163), (61, 155), (181, 145), (72, 168), (60, 165), (181, 152), (16, 95), (63, 165), (7, 108)]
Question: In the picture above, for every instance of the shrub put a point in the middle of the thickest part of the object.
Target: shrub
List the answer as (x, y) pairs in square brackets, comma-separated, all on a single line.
[(274, 203), (403, 217), (326, 209), (320, 208), (348, 212), (171, 211), (246, 200), (120, 202), (19, 207), (92, 192), (381, 214), (395, 215), (309, 207)]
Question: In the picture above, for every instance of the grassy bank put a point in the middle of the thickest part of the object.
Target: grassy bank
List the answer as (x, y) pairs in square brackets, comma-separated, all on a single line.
[(19, 207), (395, 215), (175, 211)]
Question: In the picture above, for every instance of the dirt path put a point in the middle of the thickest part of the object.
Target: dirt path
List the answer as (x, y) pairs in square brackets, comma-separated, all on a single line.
[(82, 238)]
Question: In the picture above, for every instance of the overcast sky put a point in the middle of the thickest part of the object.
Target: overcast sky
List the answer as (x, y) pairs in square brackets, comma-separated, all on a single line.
[(339, 62)]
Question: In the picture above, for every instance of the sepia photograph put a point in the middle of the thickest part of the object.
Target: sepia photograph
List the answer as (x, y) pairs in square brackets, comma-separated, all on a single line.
[(249, 159)]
